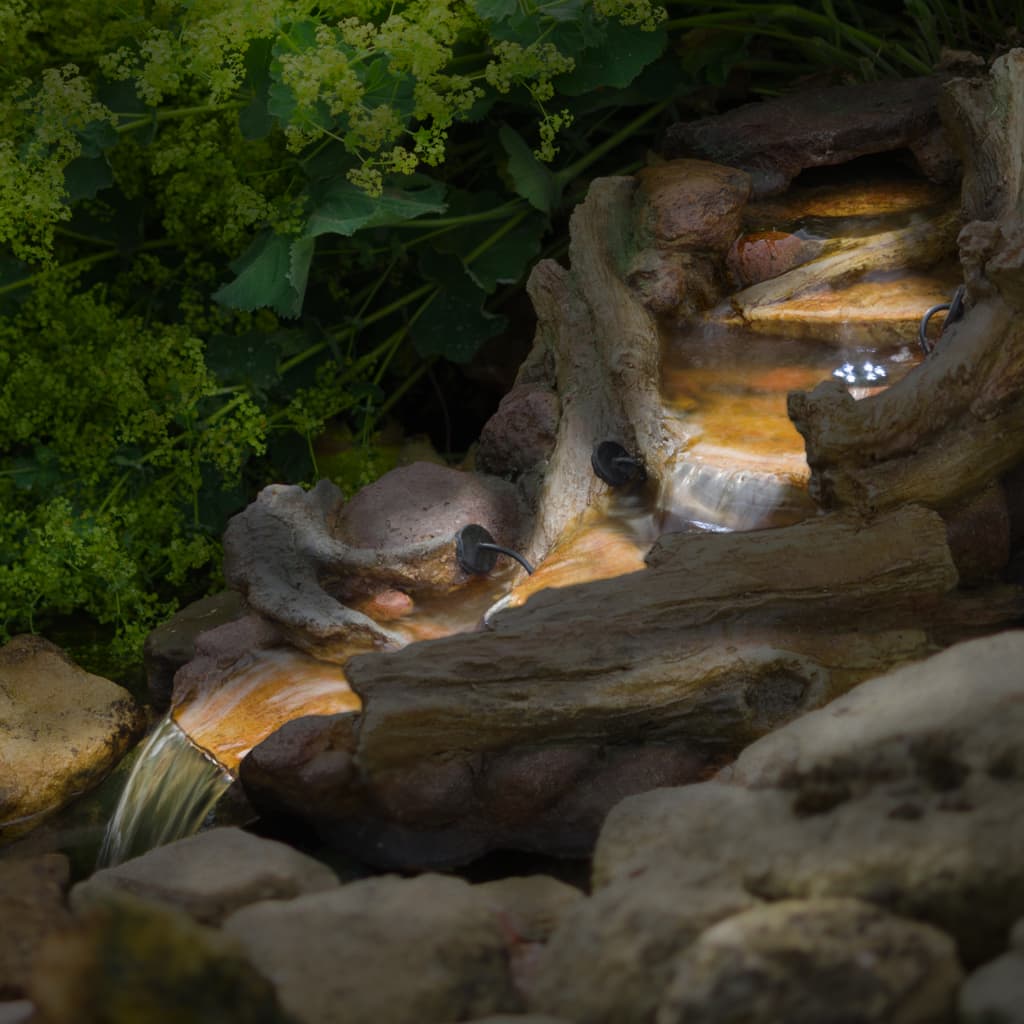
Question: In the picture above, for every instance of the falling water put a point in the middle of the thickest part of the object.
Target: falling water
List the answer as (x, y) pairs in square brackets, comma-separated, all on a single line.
[(173, 786)]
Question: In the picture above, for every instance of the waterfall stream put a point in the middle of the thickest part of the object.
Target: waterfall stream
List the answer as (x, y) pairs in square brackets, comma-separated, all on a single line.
[(172, 788)]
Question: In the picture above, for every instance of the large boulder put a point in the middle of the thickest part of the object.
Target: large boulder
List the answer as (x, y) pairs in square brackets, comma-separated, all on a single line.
[(906, 792), (130, 960), (62, 730), (386, 950), (817, 962), (210, 875)]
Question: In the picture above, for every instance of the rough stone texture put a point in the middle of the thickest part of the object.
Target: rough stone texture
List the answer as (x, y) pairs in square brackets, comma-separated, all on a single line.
[(906, 793), (130, 961), (532, 905), (776, 139), (690, 205), (612, 955), (173, 643), (523, 736), (686, 213), (814, 962), (384, 950), (31, 907), (210, 875), (762, 255), (61, 731), (949, 429), (522, 431), (994, 993), (298, 555)]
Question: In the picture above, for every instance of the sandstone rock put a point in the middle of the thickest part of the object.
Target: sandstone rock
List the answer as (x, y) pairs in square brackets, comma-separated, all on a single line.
[(173, 643), (61, 731), (130, 961), (611, 956), (384, 950), (522, 431), (994, 993), (816, 962), (690, 204), (210, 875), (31, 907), (774, 140), (905, 793)]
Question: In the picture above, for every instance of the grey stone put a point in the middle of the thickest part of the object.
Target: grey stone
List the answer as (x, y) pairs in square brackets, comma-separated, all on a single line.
[(533, 905), (994, 993), (814, 962), (612, 955), (905, 793), (173, 643), (210, 875), (386, 950), (521, 433)]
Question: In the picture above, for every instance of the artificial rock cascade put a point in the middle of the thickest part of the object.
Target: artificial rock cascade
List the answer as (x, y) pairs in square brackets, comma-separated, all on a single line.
[(525, 733)]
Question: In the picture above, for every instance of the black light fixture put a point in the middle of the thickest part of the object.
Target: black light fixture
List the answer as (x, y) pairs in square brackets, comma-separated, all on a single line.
[(477, 553), (955, 306), (615, 466)]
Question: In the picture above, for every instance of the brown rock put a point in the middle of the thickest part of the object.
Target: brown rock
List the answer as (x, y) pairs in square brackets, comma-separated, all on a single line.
[(776, 139), (31, 907), (173, 643), (521, 433), (690, 204), (61, 731), (764, 254)]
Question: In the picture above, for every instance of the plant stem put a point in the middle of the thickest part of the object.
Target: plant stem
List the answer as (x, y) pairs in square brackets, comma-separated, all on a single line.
[(567, 174)]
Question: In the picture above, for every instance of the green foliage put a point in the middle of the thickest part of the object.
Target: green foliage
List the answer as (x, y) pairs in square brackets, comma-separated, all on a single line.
[(228, 224)]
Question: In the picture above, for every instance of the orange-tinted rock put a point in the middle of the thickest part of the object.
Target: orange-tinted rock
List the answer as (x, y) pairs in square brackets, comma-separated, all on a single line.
[(867, 198), (886, 310), (691, 204), (385, 606), (764, 254), (596, 550), (228, 714)]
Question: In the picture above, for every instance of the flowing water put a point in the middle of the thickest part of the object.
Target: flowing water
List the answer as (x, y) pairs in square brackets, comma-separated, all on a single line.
[(172, 789), (744, 468)]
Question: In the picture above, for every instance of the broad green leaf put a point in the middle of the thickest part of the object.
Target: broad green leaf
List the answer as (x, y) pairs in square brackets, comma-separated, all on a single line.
[(344, 208), (508, 261), (508, 257), (454, 324), (97, 137), (85, 176), (531, 179), (265, 277), (624, 53), (496, 10)]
